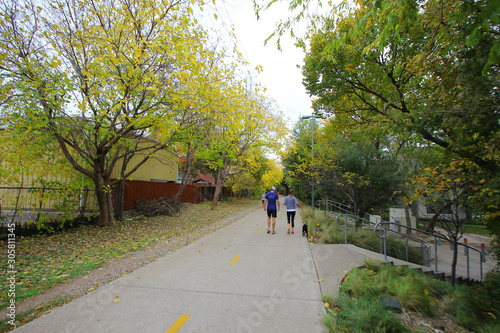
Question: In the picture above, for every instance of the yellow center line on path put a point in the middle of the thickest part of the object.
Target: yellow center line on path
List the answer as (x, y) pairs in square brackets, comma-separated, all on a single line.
[(178, 324), (235, 259), (259, 231)]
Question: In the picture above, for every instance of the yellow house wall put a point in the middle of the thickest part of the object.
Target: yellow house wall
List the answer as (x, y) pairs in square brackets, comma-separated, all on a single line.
[(162, 167)]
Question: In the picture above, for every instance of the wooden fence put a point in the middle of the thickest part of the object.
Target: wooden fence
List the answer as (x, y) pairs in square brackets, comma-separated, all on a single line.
[(136, 190)]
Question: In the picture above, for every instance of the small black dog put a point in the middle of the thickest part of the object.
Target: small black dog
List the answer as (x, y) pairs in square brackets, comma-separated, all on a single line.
[(304, 230)]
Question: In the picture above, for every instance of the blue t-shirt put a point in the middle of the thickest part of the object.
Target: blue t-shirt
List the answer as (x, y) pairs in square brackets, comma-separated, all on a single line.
[(272, 197)]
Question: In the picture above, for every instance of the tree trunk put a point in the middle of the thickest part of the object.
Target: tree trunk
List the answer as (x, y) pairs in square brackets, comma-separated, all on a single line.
[(187, 170), (105, 202), (408, 219), (177, 198), (432, 224), (218, 188), (119, 193), (414, 211)]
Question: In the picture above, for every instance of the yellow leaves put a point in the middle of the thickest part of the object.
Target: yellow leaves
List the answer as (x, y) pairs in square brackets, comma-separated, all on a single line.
[(86, 73), (56, 62), (117, 299)]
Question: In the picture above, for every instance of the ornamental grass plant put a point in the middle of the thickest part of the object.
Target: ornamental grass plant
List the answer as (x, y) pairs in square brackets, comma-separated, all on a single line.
[(359, 306)]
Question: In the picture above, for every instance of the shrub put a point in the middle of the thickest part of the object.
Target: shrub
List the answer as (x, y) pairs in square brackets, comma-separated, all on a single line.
[(48, 226), (161, 206)]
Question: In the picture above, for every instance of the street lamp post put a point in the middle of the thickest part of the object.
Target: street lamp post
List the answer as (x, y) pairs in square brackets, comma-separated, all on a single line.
[(313, 121)]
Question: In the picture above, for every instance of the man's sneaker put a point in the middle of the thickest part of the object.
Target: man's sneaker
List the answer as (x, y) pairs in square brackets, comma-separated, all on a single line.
[(268, 231), (288, 232), (274, 232), (293, 232)]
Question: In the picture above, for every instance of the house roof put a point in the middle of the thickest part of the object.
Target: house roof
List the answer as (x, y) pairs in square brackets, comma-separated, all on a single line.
[(206, 178), (201, 180)]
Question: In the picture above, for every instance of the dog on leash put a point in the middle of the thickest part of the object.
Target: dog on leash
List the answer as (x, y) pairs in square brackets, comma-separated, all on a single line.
[(304, 230)]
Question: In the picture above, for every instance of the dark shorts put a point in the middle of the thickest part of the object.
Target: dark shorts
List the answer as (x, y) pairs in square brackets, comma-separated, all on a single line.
[(272, 213)]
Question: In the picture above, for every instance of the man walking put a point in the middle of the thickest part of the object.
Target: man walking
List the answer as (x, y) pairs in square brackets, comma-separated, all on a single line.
[(272, 205)]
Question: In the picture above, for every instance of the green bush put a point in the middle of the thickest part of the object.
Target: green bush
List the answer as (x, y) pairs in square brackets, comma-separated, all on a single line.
[(47, 226)]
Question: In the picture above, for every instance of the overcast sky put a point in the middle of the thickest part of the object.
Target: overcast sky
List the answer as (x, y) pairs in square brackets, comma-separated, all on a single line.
[(280, 74)]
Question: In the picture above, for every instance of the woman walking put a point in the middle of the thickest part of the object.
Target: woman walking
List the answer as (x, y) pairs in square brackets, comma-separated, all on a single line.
[(291, 204)]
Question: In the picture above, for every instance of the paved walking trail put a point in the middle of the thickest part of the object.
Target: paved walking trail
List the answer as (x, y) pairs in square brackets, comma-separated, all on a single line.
[(238, 279)]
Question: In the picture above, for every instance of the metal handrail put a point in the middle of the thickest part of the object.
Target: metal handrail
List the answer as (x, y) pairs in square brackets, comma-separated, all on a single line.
[(380, 229), (383, 245), (437, 239), (331, 204)]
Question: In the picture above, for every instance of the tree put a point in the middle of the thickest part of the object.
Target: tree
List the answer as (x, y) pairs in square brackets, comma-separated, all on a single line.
[(298, 158), (272, 176), (96, 74), (357, 172), (420, 70), (202, 94), (482, 23), (245, 122), (451, 191), (421, 79)]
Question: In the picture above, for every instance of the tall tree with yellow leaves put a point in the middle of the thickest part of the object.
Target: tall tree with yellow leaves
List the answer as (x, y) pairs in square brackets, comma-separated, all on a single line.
[(96, 74)]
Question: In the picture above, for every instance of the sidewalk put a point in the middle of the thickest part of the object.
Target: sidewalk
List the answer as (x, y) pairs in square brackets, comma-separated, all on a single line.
[(238, 279)]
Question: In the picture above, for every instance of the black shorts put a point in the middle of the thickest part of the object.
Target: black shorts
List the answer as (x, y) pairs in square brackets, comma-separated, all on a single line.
[(272, 213)]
